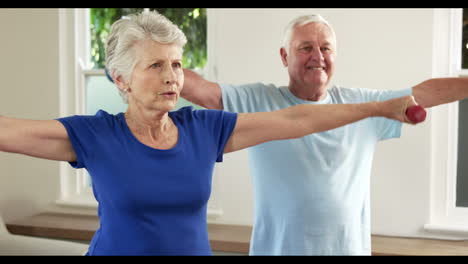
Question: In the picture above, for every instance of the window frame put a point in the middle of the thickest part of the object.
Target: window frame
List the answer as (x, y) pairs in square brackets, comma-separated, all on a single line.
[(444, 216), (74, 68)]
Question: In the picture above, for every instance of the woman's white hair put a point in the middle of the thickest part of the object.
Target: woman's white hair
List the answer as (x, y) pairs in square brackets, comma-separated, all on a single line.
[(129, 30), (300, 21)]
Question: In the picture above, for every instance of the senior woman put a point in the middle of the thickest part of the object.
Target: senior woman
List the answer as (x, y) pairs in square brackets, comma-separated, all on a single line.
[(151, 168)]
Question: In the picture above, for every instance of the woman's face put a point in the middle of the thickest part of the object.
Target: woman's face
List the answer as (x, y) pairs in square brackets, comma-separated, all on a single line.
[(157, 78)]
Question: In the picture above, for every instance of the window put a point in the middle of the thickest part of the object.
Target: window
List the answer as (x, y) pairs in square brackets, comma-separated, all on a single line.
[(462, 167), (192, 21), (101, 94), (449, 179), (464, 43), (85, 88)]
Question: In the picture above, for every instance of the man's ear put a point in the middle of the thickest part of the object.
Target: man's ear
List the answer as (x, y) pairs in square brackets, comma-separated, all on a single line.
[(284, 56)]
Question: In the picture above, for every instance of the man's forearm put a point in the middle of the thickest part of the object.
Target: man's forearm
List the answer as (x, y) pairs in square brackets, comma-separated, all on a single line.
[(440, 91)]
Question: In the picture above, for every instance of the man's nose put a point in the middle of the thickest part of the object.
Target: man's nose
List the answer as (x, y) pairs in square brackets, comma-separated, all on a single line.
[(317, 54)]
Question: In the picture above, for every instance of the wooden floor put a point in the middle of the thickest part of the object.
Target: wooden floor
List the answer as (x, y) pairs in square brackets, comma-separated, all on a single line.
[(224, 238), (384, 245)]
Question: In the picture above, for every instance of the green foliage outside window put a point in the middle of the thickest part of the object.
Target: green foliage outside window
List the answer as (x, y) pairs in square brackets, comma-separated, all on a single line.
[(192, 21)]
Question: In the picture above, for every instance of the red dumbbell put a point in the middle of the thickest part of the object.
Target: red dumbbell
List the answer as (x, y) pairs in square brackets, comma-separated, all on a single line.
[(416, 114)]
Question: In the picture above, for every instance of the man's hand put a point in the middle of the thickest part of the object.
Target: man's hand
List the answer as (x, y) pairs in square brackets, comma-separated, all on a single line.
[(404, 109)]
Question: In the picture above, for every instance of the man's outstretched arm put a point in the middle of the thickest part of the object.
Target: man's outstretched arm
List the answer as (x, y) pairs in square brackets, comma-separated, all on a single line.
[(439, 91)]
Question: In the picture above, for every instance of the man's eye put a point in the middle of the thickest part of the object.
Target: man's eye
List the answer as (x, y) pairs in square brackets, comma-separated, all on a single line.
[(156, 65), (177, 65), (307, 48)]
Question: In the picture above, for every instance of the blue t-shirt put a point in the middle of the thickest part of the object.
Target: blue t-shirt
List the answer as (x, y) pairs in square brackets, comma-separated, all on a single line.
[(151, 201), (312, 194)]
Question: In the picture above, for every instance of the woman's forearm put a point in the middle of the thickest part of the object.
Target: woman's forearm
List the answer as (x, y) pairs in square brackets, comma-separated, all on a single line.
[(307, 119), (300, 120)]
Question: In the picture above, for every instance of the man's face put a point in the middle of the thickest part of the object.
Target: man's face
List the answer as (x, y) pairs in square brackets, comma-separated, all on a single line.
[(311, 56)]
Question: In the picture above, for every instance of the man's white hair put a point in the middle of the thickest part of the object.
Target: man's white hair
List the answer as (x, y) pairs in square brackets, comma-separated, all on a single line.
[(300, 21)]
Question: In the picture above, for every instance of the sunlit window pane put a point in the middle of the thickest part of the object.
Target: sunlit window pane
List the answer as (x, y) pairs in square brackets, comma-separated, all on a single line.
[(102, 94)]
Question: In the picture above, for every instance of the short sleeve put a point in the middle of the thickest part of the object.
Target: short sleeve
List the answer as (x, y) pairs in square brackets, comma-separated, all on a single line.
[(71, 124), (247, 98), (220, 125), (387, 128), (83, 132)]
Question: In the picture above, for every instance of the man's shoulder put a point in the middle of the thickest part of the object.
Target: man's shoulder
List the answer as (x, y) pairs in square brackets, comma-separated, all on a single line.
[(251, 90), (248, 86), (346, 89), (343, 94), (365, 94)]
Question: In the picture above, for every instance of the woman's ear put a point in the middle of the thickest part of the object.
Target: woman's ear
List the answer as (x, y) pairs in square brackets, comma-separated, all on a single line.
[(119, 81)]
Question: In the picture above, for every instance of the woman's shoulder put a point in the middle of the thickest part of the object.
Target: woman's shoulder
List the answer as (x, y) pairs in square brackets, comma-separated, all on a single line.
[(188, 113), (99, 119)]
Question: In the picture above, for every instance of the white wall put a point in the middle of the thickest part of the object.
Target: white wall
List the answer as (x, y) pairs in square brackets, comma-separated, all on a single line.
[(377, 48), (29, 89)]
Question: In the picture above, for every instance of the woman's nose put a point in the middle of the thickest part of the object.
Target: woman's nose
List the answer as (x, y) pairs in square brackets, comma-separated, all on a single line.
[(170, 77)]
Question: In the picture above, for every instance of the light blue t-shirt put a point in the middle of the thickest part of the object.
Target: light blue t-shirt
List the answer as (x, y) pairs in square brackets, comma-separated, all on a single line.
[(312, 193)]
